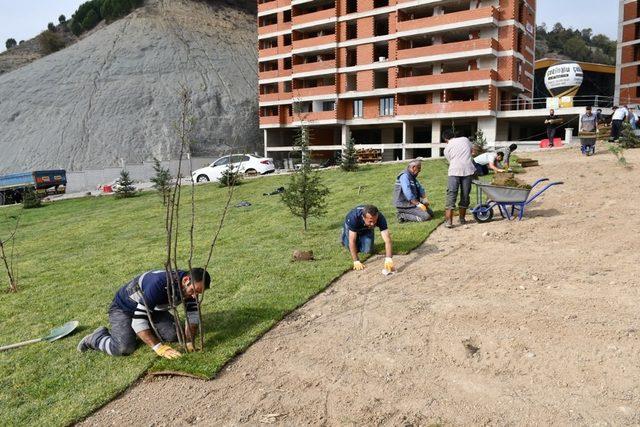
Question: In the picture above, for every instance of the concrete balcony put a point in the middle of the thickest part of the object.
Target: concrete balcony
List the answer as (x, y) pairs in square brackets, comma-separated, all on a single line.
[(447, 78), (280, 50), (270, 120), (448, 48), (314, 66), (314, 16), (314, 91), (317, 115), (273, 74), (274, 28), (314, 41), (456, 18), (442, 108), (275, 4), (277, 96)]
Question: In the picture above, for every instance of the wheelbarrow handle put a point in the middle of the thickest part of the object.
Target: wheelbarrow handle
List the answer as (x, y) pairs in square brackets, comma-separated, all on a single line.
[(20, 344)]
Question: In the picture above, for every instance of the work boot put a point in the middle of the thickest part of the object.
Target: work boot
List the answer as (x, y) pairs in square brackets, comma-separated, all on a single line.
[(448, 218), (462, 213), (89, 341)]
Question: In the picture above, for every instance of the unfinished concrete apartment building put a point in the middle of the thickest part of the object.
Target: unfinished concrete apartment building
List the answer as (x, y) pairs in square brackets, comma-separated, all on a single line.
[(391, 74), (628, 54)]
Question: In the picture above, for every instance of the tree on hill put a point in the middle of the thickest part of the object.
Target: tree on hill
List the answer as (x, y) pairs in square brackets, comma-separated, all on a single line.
[(51, 27), (350, 157), (50, 42), (62, 19), (577, 45), (10, 43)]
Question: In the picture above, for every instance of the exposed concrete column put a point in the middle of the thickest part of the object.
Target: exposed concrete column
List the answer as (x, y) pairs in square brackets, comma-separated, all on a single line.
[(407, 137), (436, 138), (345, 134), (568, 135), (489, 127), (265, 132)]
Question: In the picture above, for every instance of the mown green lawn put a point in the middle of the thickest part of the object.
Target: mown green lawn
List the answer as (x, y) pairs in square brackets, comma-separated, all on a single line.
[(73, 255)]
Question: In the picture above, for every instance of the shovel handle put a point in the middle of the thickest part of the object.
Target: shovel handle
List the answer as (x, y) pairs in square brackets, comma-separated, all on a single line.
[(20, 344)]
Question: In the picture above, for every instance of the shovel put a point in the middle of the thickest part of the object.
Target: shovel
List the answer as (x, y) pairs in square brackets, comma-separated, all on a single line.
[(54, 334)]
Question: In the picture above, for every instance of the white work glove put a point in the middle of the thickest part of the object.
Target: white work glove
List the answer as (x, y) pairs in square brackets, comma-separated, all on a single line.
[(357, 265), (388, 265)]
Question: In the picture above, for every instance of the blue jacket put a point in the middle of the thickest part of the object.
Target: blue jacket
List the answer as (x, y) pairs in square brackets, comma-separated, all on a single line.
[(407, 188), (153, 285)]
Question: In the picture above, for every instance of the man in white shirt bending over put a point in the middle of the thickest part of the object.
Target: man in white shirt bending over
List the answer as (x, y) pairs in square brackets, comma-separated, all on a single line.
[(486, 161), (619, 115)]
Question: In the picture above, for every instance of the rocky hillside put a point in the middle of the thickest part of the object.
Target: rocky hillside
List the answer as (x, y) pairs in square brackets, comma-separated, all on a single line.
[(114, 94)]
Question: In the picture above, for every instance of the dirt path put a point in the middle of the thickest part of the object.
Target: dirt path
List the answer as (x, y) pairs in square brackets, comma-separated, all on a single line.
[(534, 322)]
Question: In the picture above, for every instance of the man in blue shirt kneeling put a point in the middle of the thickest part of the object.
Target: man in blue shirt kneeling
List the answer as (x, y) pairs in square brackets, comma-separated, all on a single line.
[(409, 197), (357, 234)]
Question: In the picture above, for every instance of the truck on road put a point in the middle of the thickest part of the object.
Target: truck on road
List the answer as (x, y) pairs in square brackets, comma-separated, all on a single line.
[(13, 186)]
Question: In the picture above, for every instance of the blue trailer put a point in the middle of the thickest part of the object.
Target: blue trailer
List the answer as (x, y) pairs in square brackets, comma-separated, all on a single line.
[(13, 186)]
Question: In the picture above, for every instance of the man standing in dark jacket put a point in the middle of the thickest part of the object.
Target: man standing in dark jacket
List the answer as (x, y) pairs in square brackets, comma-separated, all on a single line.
[(409, 197)]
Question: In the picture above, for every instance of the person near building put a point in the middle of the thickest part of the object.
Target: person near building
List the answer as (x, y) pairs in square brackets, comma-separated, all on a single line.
[(552, 122), (460, 174), (409, 197), (506, 154), (357, 234), (587, 130), (140, 310), (488, 161), (620, 115)]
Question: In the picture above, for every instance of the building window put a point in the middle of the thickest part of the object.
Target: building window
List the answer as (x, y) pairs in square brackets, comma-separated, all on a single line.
[(286, 16), (386, 106), (287, 87), (358, 108), (352, 6), (328, 105), (637, 91)]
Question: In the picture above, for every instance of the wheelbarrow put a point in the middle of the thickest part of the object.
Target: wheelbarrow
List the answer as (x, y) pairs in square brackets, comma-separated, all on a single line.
[(511, 201)]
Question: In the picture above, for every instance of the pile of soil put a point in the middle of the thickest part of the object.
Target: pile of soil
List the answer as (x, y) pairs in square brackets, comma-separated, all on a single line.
[(507, 179)]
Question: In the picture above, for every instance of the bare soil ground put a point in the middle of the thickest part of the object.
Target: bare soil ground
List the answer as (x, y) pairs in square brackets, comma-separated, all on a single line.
[(532, 322)]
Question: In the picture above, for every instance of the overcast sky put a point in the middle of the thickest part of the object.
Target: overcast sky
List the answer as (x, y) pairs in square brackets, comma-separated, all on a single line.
[(23, 19)]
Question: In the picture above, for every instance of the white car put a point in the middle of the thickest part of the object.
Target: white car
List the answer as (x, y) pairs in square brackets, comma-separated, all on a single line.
[(243, 163)]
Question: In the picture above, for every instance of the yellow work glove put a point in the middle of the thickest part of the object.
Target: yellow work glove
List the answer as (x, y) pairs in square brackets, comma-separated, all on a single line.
[(167, 352), (422, 207), (357, 265), (190, 347), (388, 264)]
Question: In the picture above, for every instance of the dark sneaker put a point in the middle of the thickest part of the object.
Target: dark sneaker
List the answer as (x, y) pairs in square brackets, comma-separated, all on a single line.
[(463, 221), (88, 342)]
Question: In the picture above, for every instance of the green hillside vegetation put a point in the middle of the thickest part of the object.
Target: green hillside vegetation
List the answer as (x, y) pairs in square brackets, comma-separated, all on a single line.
[(575, 45), (72, 256), (89, 14)]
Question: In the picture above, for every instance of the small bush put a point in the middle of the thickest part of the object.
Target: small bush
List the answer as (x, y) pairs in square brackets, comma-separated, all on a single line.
[(628, 138), (230, 177), (62, 19), (10, 43), (125, 187), (480, 142), (350, 158), (51, 27), (50, 42), (30, 199), (90, 21), (161, 181)]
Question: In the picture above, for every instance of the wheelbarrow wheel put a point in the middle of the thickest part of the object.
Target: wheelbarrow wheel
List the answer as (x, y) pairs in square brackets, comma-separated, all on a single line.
[(483, 213)]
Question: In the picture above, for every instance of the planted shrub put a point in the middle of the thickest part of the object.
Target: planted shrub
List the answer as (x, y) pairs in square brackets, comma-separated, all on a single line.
[(230, 177), (125, 186), (30, 199)]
